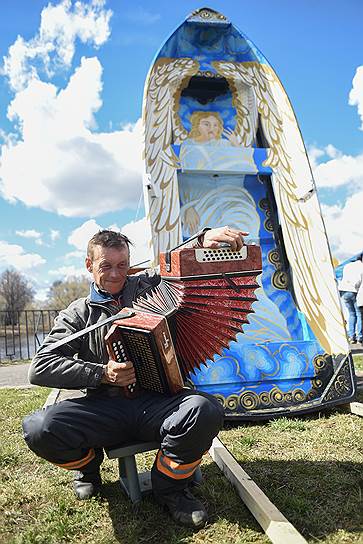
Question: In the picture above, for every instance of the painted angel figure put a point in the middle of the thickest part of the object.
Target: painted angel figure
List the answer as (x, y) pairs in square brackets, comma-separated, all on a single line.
[(207, 195)]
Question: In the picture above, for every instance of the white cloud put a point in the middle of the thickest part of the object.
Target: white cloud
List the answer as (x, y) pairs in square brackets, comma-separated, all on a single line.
[(344, 226), (356, 93), (54, 45), (42, 294), (340, 171), (344, 219), (59, 165), (77, 254), (56, 160), (80, 236), (31, 233), (12, 255), (54, 235), (316, 154), (139, 233), (66, 272)]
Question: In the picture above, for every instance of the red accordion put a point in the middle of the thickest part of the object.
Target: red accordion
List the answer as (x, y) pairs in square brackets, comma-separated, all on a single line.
[(203, 300)]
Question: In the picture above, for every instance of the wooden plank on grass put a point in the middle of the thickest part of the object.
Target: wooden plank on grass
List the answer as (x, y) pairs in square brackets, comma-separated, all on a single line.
[(276, 526), (356, 408), (52, 398), (57, 395)]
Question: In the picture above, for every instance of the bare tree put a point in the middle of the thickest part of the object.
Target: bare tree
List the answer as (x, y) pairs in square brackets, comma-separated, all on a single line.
[(16, 293), (62, 293)]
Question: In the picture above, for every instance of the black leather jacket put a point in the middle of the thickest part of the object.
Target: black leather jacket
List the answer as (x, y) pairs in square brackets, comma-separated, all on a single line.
[(79, 364)]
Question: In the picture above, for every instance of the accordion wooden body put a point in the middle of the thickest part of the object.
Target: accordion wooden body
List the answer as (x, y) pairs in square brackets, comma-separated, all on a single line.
[(200, 305), (145, 339)]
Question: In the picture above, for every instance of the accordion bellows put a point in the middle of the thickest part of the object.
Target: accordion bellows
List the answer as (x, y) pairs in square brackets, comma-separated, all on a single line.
[(206, 296)]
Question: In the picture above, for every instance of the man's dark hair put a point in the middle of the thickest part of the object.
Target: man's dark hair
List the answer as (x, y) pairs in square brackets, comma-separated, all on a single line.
[(107, 238)]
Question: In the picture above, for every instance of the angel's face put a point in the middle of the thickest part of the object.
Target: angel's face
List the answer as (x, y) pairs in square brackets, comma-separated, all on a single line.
[(209, 128)]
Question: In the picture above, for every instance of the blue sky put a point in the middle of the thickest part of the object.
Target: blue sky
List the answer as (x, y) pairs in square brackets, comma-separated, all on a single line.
[(71, 85)]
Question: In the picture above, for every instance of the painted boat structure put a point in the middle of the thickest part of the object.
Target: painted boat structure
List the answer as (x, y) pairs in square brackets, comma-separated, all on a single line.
[(223, 147)]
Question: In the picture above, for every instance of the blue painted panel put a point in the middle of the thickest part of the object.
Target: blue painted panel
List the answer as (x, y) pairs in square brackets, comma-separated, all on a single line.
[(208, 43), (276, 354)]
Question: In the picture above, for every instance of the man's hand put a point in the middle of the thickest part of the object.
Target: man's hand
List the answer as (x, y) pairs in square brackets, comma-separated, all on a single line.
[(120, 374), (214, 237)]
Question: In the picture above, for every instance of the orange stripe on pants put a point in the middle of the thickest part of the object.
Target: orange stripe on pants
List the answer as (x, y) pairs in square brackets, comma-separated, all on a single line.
[(74, 465), (172, 469)]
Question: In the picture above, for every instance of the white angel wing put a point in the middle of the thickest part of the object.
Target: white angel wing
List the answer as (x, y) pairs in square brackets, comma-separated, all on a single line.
[(162, 127), (299, 211), (244, 101)]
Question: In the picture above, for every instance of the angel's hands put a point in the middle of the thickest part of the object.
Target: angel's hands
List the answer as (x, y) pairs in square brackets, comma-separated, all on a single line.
[(231, 136)]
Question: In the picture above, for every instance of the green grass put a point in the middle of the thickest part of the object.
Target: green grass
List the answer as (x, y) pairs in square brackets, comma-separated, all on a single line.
[(358, 362), (10, 362), (309, 467)]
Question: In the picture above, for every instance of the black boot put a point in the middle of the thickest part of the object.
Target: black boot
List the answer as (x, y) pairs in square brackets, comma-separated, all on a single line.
[(87, 482), (177, 498), (184, 508)]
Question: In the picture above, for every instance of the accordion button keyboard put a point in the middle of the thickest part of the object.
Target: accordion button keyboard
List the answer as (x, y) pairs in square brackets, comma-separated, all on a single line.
[(139, 351)]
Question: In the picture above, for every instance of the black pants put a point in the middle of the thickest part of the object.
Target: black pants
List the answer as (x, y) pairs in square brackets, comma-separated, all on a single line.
[(184, 424)]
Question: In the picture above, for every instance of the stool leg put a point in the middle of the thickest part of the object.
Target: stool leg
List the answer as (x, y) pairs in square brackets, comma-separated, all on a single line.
[(123, 476), (132, 477), (197, 477)]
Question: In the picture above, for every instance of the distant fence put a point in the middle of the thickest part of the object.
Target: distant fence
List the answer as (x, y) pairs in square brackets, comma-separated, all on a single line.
[(21, 333)]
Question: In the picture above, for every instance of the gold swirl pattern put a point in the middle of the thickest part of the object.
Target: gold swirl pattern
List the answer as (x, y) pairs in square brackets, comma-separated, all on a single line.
[(298, 395), (264, 204), (317, 383), (249, 400), (320, 362), (264, 398), (342, 385), (274, 258), (220, 399), (276, 396), (280, 280), (232, 402), (268, 224)]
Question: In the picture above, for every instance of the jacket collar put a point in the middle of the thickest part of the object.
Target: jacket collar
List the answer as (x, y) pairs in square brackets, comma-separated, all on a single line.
[(100, 296), (127, 294)]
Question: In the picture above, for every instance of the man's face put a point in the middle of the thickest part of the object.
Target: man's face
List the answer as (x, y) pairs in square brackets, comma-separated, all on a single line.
[(109, 267)]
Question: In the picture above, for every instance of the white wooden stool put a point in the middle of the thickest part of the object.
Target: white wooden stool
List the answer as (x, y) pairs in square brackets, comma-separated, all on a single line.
[(133, 483)]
